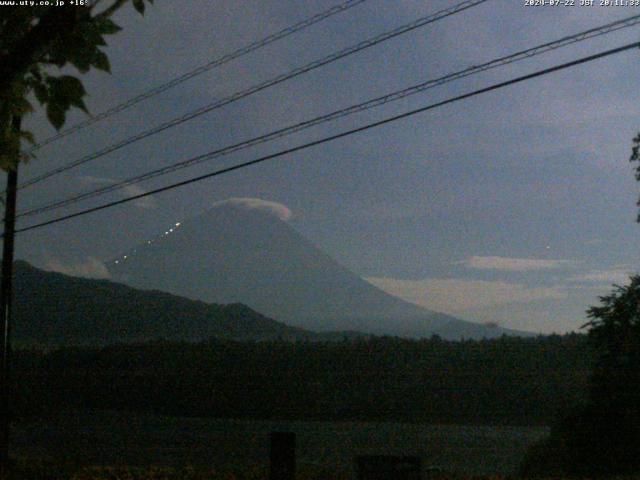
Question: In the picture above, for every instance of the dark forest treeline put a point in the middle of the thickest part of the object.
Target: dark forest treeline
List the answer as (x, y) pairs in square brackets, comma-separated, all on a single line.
[(508, 380)]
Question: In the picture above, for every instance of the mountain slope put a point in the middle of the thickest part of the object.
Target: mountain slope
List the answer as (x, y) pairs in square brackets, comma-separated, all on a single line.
[(52, 308), (233, 253)]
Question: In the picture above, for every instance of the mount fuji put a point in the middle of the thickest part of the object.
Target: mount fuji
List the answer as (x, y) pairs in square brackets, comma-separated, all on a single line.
[(243, 251)]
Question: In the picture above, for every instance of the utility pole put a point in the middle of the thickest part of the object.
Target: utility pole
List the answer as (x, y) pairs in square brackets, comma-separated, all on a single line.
[(5, 305)]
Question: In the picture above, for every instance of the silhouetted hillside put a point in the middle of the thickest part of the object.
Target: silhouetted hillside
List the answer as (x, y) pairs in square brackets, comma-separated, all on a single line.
[(53, 309)]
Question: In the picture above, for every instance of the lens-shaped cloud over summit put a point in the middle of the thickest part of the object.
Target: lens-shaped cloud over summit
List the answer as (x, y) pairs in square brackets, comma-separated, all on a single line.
[(277, 209)]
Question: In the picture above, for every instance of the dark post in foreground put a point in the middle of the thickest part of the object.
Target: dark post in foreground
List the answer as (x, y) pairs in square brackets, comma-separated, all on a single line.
[(283, 456), (5, 308)]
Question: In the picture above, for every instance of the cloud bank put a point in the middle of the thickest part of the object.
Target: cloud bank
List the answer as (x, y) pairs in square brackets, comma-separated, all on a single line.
[(512, 264), (90, 267), (618, 276), (127, 191), (459, 296)]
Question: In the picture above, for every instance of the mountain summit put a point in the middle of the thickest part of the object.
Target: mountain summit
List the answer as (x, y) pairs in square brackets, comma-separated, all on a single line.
[(242, 251)]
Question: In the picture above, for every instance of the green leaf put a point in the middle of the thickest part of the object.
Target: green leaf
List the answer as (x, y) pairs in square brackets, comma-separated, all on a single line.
[(82, 60), (71, 86), (139, 6), (64, 92), (79, 103), (42, 92), (101, 62), (106, 26), (56, 114)]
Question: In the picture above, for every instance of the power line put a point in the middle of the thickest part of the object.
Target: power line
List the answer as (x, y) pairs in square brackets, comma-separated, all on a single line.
[(285, 32), (330, 138), (512, 58), (259, 87)]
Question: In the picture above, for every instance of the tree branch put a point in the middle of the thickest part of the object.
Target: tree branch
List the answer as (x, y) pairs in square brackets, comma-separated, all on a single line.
[(112, 9), (53, 26)]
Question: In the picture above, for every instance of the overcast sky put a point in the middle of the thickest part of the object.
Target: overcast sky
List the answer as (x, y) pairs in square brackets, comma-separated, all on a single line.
[(517, 206)]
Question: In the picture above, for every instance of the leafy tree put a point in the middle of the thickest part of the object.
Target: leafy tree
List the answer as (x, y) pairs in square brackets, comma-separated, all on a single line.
[(602, 437), (635, 157), (36, 41), (614, 330)]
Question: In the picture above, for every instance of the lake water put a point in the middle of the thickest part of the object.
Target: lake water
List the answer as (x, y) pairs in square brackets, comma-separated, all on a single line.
[(112, 438)]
